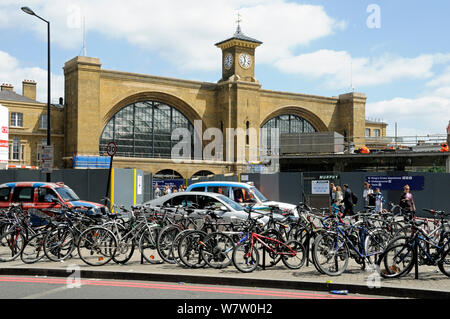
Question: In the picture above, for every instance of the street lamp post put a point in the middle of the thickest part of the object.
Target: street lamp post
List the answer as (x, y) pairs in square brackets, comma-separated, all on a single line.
[(31, 12)]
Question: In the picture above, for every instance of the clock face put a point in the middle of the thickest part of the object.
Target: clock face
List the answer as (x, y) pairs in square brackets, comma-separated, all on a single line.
[(228, 61), (245, 60)]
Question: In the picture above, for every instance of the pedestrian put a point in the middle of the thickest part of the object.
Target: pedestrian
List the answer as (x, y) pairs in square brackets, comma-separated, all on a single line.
[(348, 201), (339, 195), (367, 195), (335, 208), (157, 191), (407, 200), (332, 191), (378, 200)]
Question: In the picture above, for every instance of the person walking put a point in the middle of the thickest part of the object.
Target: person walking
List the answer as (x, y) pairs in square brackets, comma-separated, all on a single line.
[(407, 200), (332, 192), (367, 194), (348, 201), (157, 191), (378, 200)]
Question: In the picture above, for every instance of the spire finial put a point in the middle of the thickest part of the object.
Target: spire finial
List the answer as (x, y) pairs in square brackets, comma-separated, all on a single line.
[(239, 20)]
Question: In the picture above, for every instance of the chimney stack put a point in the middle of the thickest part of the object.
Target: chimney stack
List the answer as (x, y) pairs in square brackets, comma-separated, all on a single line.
[(7, 87), (29, 89)]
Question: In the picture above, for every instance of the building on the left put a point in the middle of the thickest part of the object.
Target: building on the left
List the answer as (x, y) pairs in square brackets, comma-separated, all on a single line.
[(28, 126)]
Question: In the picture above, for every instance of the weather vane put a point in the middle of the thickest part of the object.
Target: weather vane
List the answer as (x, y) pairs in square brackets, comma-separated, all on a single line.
[(239, 20)]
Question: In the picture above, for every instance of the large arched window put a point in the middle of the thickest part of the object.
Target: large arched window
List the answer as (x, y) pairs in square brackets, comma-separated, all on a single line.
[(290, 124), (287, 123), (144, 129)]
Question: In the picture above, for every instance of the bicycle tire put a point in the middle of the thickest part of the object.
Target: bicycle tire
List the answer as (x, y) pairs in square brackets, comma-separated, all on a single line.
[(33, 251), (444, 262), (375, 244), (11, 245), (165, 241), (330, 246), (147, 245), (243, 260), (59, 244), (218, 249), (394, 257), (99, 241), (297, 260), (189, 249)]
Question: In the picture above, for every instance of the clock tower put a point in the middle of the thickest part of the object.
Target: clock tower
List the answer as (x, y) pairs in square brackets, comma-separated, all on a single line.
[(238, 57)]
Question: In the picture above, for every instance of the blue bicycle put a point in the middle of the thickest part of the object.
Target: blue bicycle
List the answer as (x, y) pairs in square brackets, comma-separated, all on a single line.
[(333, 248)]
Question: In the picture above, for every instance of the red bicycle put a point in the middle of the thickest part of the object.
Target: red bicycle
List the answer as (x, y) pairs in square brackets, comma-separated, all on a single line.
[(246, 255)]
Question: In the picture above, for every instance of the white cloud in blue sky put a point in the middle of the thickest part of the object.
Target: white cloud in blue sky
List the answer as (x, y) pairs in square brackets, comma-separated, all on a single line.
[(319, 47)]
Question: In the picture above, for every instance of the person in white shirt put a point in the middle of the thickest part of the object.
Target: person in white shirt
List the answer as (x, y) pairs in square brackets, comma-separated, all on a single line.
[(366, 192)]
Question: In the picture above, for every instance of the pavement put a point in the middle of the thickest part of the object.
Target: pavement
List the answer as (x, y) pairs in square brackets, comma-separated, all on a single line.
[(431, 283)]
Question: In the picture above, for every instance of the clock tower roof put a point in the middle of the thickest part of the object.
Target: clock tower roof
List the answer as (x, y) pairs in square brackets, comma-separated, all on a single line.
[(239, 36)]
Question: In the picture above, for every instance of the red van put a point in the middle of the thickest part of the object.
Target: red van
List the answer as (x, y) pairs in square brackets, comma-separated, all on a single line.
[(39, 196)]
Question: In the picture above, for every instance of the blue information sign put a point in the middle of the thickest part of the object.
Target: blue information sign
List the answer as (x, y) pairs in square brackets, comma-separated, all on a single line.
[(416, 183)]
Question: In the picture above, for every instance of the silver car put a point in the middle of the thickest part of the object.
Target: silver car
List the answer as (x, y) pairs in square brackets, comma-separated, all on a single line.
[(224, 207)]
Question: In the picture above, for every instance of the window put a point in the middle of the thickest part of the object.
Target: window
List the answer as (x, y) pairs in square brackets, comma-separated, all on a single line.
[(4, 194), (144, 129), (23, 194), (67, 194), (16, 119), (183, 200), (15, 149), (376, 133), (206, 201), (219, 190), (198, 189), (287, 123), (44, 191), (43, 121), (22, 152), (367, 132)]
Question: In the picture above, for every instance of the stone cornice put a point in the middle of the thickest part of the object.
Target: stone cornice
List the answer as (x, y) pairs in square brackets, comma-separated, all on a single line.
[(299, 96), (120, 75)]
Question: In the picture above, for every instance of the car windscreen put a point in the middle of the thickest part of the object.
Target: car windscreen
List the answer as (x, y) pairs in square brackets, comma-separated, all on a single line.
[(230, 202), (67, 194), (258, 194)]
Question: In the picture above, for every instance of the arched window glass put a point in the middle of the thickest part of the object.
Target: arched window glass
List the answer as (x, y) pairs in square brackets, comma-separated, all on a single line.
[(144, 129), (287, 123)]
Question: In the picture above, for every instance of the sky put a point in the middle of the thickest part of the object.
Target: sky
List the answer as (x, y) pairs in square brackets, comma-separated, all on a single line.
[(395, 52)]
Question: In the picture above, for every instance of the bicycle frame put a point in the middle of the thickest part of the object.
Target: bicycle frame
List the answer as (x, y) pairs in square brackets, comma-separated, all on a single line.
[(259, 238)]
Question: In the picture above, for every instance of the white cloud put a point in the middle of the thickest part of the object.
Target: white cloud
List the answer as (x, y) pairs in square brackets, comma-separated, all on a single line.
[(429, 114), (183, 32), (339, 69), (12, 72)]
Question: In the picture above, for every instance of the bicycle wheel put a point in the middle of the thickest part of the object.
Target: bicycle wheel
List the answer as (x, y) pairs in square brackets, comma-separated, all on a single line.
[(97, 246), (375, 244), (164, 243), (217, 250), (245, 258), (397, 260), (293, 258), (33, 250), (444, 262), (189, 249), (11, 245), (147, 245), (331, 253), (59, 244)]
